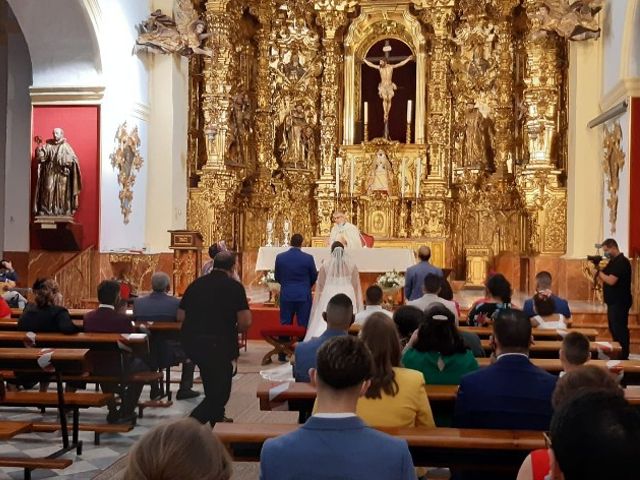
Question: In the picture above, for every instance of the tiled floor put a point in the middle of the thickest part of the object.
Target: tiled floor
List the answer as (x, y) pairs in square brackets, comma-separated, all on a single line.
[(243, 406)]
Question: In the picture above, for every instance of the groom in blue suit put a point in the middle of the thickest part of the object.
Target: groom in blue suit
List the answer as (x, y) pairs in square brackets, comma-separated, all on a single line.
[(296, 273)]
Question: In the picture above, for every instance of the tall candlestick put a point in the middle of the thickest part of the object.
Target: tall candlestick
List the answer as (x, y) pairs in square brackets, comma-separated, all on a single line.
[(403, 178), (338, 163), (352, 177), (366, 112), (418, 173), (409, 111)]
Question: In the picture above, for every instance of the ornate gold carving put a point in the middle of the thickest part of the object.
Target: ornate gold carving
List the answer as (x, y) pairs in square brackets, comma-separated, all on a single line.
[(571, 20), (274, 118), (127, 160), (612, 163)]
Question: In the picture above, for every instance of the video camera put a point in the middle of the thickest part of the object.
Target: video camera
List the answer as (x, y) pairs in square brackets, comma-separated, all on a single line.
[(595, 259)]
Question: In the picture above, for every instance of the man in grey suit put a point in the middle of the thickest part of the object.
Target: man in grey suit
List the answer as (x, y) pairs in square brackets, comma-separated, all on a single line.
[(335, 442), (159, 306), (414, 278)]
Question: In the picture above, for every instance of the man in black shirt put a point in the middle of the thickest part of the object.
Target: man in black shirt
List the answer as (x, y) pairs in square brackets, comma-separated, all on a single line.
[(616, 280), (213, 310)]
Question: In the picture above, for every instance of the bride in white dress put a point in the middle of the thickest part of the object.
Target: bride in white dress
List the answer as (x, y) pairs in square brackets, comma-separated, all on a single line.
[(339, 275)]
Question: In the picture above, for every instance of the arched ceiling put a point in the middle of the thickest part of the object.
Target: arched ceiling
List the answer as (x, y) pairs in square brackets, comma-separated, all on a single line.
[(62, 42)]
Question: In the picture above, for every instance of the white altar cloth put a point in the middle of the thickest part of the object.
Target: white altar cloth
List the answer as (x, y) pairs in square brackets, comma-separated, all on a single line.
[(368, 260)]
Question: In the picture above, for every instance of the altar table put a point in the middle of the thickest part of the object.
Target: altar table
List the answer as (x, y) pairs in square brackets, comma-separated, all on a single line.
[(368, 260)]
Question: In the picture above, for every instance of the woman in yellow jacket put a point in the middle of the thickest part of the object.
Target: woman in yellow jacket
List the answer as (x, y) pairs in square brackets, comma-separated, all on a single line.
[(397, 396)]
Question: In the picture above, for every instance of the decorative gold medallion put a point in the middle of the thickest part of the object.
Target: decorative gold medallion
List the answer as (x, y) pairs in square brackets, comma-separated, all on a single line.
[(127, 160)]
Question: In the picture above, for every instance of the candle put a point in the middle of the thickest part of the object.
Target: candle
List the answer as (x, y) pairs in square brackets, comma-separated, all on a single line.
[(409, 105), (366, 112), (352, 176), (403, 178), (338, 162), (418, 173)]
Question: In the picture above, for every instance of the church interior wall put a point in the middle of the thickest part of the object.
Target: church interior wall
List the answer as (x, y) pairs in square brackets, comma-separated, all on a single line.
[(4, 9), (18, 77), (126, 98), (585, 146)]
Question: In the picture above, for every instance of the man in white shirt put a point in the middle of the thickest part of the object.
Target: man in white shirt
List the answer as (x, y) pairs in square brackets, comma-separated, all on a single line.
[(373, 297), (345, 232), (431, 288)]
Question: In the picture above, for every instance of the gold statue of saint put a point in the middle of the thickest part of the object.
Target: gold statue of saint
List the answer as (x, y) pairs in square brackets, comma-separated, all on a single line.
[(59, 181), (386, 88)]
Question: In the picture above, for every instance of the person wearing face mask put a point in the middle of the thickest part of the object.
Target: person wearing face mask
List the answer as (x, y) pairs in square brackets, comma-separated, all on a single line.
[(616, 280)]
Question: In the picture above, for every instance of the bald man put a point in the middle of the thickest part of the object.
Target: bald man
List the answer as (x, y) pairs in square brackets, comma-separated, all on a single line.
[(414, 278)]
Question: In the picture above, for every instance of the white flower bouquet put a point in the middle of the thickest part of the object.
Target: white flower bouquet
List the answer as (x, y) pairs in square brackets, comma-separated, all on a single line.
[(391, 280)]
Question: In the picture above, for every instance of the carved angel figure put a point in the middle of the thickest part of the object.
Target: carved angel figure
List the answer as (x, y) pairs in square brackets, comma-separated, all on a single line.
[(570, 19), (184, 36)]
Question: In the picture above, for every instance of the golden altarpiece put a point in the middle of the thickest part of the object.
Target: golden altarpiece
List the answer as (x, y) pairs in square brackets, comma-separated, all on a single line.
[(277, 128)]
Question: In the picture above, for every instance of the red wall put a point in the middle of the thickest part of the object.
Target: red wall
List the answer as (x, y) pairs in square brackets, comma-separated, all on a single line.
[(81, 125), (634, 162)]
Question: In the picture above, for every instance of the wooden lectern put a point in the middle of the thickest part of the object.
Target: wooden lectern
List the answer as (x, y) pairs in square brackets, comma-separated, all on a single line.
[(187, 258)]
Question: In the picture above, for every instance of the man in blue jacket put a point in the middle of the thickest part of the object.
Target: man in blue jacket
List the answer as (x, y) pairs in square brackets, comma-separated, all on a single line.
[(511, 394), (339, 317), (296, 273), (335, 442), (414, 278)]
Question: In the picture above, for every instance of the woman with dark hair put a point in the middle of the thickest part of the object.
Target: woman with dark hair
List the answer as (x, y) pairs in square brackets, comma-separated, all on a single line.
[(407, 320), (438, 350), (497, 297), (545, 308), (47, 314), (396, 396)]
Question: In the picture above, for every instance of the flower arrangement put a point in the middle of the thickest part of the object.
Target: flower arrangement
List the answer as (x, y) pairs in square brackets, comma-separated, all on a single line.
[(269, 277), (391, 280), (269, 280)]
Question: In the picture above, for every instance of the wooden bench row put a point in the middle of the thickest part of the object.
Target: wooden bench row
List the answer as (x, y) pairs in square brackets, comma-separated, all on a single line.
[(272, 395), (461, 449), (538, 333)]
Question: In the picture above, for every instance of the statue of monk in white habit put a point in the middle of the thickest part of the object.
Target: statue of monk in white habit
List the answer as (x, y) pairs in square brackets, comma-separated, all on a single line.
[(345, 232), (59, 181)]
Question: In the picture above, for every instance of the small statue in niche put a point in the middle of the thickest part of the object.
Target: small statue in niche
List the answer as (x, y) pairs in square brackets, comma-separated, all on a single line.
[(309, 144), (478, 137), (571, 20), (59, 180), (292, 147), (379, 177), (184, 36), (240, 130)]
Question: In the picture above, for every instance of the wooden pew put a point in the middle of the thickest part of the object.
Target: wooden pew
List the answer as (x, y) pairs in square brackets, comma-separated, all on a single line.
[(29, 464), (47, 364), (102, 347), (551, 348), (74, 313), (297, 395), (464, 449), (538, 333)]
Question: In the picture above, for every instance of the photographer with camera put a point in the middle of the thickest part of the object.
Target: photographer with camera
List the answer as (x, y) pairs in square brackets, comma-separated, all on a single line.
[(616, 280)]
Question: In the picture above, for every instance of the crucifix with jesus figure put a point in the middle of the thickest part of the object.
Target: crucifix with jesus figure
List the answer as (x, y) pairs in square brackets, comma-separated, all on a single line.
[(386, 88)]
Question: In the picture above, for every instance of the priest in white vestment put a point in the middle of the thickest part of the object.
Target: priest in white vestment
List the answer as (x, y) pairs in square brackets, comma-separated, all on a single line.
[(345, 232)]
